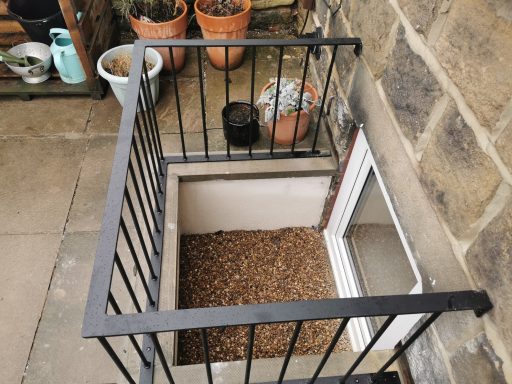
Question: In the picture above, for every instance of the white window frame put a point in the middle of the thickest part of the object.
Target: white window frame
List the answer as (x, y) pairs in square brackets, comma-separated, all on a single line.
[(359, 167)]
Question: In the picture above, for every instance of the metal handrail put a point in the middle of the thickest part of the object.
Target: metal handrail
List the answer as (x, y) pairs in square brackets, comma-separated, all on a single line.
[(140, 162)]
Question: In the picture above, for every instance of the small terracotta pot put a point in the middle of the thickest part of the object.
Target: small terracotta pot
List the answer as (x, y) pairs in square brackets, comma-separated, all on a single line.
[(174, 29), (285, 126), (227, 28)]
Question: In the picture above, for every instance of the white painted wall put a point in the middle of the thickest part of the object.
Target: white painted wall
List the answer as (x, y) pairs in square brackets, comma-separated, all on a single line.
[(210, 206)]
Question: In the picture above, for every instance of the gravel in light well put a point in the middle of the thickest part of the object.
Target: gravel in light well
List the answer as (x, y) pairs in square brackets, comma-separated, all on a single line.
[(252, 267)]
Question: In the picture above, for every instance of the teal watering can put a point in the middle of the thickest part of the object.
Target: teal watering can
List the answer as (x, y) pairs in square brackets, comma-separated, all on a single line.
[(65, 57)]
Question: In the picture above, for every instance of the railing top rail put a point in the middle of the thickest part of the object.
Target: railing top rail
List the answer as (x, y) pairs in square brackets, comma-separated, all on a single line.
[(107, 243), (184, 319), (103, 264), (308, 42)]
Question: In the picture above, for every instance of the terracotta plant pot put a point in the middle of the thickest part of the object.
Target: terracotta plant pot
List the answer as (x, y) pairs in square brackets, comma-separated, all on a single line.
[(174, 29), (229, 27), (285, 126)]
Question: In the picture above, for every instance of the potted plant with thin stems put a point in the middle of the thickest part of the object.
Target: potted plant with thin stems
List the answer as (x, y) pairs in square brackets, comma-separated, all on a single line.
[(288, 107), (224, 19), (159, 19)]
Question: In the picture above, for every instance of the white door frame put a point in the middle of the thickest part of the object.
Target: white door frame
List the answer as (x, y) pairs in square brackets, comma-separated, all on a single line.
[(359, 166)]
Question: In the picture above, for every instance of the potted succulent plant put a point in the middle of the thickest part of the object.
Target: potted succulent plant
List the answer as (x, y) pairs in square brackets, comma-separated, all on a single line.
[(288, 105), (224, 19), (159, 19)]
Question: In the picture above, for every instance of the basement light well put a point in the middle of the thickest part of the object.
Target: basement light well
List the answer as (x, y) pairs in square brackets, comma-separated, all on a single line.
[(251, 242)]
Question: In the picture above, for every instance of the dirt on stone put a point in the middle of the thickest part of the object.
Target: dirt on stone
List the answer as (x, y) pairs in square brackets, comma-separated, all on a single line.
[(221, 8), (253, 267)]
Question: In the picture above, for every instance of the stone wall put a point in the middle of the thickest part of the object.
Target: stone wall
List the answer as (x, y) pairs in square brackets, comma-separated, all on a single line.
[(433, 93)]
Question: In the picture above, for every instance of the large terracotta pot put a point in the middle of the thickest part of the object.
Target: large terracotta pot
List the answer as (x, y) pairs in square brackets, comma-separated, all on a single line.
[(174, 29), (229, 27), (285, 126)]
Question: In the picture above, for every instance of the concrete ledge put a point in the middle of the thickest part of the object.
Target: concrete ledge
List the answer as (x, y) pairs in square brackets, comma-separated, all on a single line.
[(254, 169), (170, 262)]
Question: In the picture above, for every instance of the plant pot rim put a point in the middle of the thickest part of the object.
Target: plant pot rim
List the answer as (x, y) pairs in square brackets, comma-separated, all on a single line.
[(176, 20), (206, 16), (243, 102), (311, 107), (124, 80)]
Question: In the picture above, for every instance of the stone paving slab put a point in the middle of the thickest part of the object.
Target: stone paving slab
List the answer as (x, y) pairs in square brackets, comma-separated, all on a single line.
[(27, 265), (44, 115), (39, 180), (89, 202), (105, 115), (60, 354)]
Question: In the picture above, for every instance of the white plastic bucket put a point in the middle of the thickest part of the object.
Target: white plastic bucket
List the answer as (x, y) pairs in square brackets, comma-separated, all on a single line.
[(119, 84)]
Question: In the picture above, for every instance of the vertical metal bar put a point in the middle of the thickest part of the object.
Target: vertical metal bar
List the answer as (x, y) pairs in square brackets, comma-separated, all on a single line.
[(153, 175), (250, 345), (178, 108), (139, 233), (136, 345), (226, 80), (253, 75), (326, 89), (289, 352), (143, 207), (156, 164), (126, 280), (159, 351), (117, 361), (158, 143), (304, 74), (150, 129), (136, 262), (141, 170), (368, 348), (206, 352), (276, 104), (203, 107), (406, 345), (329, 350)]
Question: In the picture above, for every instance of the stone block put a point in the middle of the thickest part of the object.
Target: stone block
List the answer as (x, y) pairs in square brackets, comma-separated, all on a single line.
[(475, 48), (372, 21), (421, 13), (411, 88), (476, 362), (345, 57), (503, 8), (264, 4), (504, 146), (280, 17), (425, 361), (458, 176), (455, 327), (490, 262)]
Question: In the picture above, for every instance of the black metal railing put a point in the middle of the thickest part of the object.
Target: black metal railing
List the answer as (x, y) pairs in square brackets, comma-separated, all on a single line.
[(132, 238)]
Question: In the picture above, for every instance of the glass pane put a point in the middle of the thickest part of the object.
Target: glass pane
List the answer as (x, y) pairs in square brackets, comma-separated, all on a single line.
[(375, 250)]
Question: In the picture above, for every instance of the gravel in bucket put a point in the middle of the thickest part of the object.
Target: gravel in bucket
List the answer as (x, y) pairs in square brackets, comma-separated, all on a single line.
[(253, 267)]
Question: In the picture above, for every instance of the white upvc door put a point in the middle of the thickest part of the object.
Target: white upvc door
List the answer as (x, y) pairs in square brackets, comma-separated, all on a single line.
[(361, 263)]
